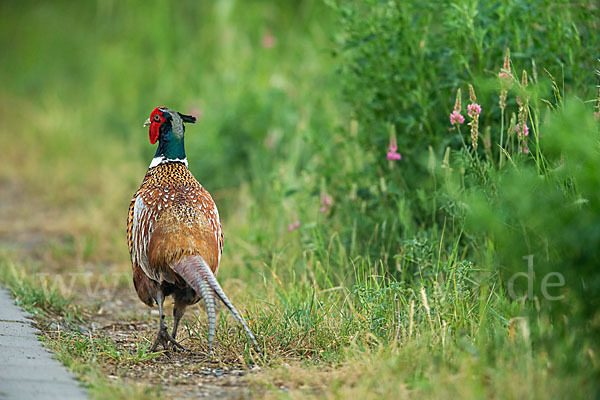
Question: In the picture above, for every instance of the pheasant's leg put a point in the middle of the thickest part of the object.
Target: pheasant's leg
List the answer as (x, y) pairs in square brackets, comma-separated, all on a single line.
[(163, 338), (178, 311)]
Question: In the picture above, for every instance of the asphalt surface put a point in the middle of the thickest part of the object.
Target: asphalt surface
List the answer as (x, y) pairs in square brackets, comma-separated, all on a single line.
[(27, 369)]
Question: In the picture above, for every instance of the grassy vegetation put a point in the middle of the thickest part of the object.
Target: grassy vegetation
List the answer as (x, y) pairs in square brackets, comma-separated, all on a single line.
[(61, 321), (397, 280)]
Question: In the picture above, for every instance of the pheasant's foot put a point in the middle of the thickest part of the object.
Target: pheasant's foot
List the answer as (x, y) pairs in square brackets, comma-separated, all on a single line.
[(176, 347), (168, 343)]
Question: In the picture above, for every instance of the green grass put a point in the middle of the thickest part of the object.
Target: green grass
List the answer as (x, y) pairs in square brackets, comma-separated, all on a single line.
[(86, 354), (33, 296), (401, 286), (59, 319)]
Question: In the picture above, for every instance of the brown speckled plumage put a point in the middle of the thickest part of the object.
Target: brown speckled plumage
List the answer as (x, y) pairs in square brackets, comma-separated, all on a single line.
[(177, 217), (174, 235)]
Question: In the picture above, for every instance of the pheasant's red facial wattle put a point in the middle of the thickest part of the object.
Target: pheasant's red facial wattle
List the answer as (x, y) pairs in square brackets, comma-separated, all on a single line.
[(156, 119), (154, 132)]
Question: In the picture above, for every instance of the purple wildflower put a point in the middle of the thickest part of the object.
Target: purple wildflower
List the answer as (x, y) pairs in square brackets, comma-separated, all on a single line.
[(473, 109), (456, 118), (268, 41), (523, 131), (326, 202), (393, 150), (394, 156)]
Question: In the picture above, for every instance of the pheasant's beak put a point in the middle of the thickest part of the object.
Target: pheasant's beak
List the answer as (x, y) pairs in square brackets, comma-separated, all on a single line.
[(147, 122)]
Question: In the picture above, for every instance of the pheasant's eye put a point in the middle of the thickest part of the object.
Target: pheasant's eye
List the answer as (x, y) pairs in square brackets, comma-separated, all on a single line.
[(156, 118)]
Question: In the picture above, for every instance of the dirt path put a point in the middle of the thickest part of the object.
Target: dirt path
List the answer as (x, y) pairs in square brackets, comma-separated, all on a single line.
[(118, 315), (189, 374)]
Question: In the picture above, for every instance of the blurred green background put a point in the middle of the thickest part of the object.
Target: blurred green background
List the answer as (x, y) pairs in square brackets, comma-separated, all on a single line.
[(297, 103)]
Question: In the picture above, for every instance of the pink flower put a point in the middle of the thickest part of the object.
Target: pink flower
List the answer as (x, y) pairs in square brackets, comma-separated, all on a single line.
[(326, 202), (456, 118), (297, 224), (526, 150), (293, 226), (473, 109), (393, 150), (394, 156), (290, 227), (525, 130), (268, 41)]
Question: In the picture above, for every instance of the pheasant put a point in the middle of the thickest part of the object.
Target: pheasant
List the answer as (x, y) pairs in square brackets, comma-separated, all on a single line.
[(174, 233)]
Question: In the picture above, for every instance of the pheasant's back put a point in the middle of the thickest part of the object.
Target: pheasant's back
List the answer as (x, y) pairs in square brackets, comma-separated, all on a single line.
[(170, 216)]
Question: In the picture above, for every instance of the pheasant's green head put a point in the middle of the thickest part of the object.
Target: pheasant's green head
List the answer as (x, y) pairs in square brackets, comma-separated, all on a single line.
[(167, 127)]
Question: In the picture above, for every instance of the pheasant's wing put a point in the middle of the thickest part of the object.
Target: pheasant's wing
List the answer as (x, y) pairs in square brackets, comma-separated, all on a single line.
[(130, 224), (145, 287), (148, 206)]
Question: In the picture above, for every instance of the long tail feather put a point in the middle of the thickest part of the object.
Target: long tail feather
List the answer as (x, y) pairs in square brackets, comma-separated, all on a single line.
[(198, 275), (209, 300)]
